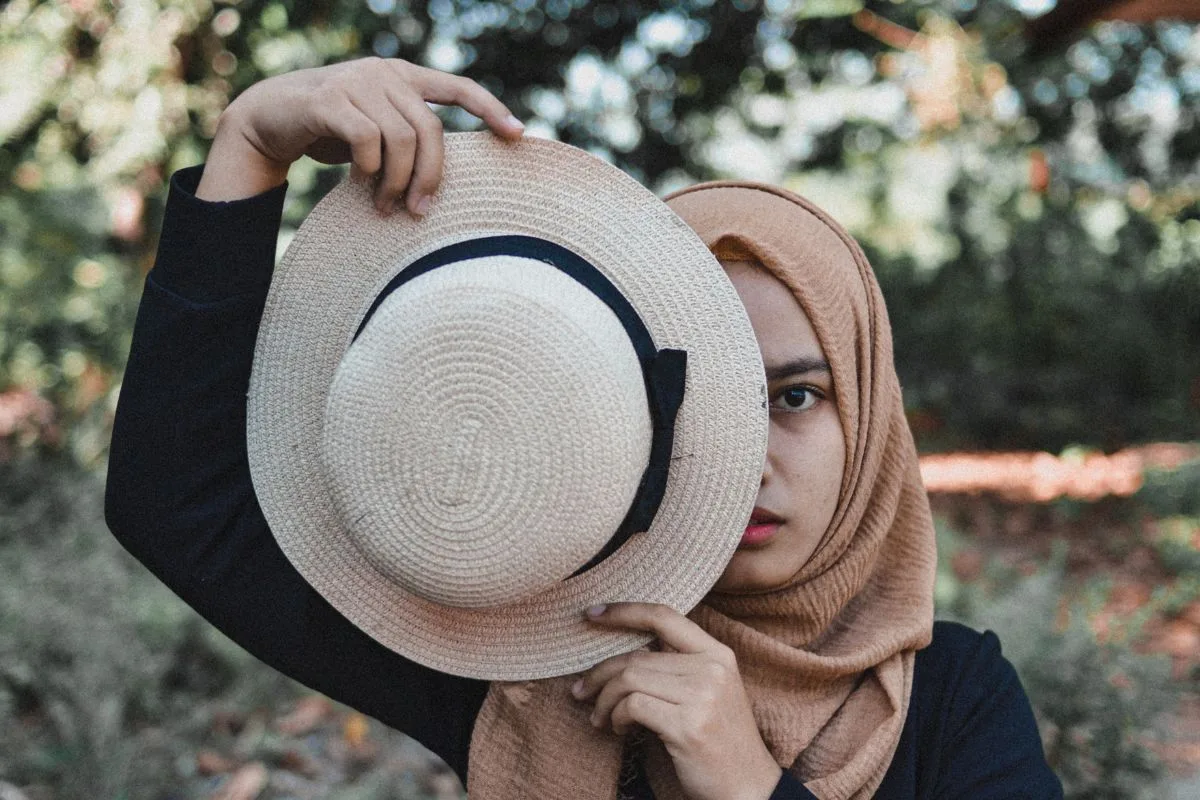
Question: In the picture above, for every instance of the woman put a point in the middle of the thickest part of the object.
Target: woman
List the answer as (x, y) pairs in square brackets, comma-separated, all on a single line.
[(812, 669)]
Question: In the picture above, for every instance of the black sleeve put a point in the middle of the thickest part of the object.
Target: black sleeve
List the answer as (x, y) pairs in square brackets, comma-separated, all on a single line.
[(179, 495), (790, 788), (990, 746)]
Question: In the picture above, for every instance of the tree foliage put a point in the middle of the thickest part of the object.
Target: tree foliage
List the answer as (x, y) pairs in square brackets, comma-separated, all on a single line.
[(1034, 220)]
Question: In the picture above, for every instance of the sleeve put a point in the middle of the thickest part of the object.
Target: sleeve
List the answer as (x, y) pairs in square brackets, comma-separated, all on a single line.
[(790, 788), (179, 495), (991, 748)]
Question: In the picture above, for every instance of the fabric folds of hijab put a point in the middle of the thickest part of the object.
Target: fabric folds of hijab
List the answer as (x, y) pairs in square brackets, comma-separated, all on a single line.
[(826, 659)]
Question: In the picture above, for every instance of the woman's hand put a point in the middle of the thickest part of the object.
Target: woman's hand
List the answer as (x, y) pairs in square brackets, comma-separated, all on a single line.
[(371, 112), (691, 696)]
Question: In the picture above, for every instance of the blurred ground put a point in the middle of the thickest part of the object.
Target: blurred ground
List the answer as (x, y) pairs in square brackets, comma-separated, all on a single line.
[(1014, 507), (1027, 191), (1126, 555)]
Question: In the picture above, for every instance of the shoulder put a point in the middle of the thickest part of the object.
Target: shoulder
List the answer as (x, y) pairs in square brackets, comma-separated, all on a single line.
[(955, 639), (956, 647), (961, 675), (963, 685), (970, 723), (960, 667)]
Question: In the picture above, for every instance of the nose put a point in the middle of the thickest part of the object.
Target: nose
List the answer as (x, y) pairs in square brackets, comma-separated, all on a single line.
[(768, 468)]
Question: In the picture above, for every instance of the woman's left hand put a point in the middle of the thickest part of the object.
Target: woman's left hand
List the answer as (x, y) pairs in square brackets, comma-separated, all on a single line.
[(691, 696)]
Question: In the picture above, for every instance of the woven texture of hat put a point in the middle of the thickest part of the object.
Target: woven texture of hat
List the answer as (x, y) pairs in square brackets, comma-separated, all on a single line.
[(337, 264), (452, 464), (827, 659)]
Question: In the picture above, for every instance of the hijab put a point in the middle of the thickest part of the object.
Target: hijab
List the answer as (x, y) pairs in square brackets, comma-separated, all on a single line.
[(827, 658)]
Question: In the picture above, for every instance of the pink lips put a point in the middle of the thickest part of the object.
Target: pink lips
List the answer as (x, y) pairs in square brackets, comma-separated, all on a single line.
[(762, 527)]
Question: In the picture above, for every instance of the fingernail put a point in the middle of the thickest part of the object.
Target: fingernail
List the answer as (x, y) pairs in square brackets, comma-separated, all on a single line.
[(577, 688), (595, 721), (422, 206), (513, 122), (596, 610)]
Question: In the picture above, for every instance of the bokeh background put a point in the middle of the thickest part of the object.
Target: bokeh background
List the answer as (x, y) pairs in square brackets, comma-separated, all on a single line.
[(1023, 174)]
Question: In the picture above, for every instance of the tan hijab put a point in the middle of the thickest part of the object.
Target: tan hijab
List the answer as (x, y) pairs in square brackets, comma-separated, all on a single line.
[(827, 659)]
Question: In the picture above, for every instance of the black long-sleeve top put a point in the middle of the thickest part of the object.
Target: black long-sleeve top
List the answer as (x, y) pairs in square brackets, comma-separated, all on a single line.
[(180, 498)]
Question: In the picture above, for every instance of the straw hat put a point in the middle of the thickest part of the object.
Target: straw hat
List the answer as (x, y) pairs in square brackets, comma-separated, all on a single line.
[(461, 427)]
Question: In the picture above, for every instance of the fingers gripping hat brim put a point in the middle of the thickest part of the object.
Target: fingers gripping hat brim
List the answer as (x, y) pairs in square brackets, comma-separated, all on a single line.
[(342, 257)]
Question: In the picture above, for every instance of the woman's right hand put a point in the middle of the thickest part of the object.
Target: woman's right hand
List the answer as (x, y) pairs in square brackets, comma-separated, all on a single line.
[(370, 112)]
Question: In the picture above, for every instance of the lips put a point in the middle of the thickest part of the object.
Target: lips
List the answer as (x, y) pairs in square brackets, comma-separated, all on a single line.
[(760, 516), (761, 528)]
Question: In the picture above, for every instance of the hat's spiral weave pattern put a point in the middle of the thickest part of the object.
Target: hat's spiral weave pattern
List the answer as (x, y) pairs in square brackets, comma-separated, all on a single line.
[(336, 265)]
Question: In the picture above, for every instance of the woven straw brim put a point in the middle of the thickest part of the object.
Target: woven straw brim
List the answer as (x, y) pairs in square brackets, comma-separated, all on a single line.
[(342, 257)]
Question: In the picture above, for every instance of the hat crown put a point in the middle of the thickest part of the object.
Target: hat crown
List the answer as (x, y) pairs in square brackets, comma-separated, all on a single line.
[(479, 475)]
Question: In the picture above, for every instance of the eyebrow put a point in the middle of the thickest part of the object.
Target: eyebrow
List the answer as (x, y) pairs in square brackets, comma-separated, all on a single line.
[(797, 366)]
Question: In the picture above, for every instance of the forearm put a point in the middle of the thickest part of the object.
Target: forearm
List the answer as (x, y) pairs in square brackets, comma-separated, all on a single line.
[(180, 495), (178, 446)]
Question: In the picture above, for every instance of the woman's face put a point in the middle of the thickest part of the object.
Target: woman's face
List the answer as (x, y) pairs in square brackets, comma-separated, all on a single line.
[(806, 453)]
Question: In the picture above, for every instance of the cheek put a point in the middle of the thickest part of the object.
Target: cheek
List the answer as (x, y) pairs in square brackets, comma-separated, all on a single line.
[(806, 456), (813, 457)]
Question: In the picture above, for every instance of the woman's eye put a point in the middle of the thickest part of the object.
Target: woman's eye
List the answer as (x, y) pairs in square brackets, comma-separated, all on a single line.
[(796, 398)]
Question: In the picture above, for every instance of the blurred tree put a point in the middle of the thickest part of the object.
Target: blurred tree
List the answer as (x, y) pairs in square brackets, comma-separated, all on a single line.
[(1064, 20), (1032, 207), (1035, 219)]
